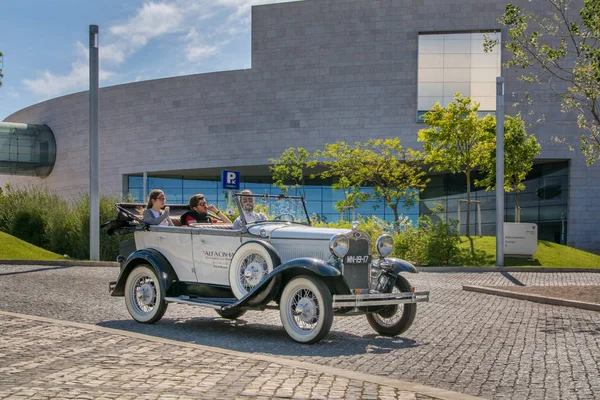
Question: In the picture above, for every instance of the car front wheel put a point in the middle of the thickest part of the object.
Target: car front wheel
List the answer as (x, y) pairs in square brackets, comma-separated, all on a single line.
[(394, 319), (306, 309), (143, 297)]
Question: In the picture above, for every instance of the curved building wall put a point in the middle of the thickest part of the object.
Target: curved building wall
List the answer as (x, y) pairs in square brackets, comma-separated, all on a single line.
[(322, 71)]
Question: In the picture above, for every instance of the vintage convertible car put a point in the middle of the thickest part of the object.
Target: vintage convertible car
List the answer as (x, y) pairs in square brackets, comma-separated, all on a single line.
[(310, 274)]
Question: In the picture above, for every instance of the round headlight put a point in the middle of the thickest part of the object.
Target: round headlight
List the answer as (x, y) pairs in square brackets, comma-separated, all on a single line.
[(385, 245), (339, 245)]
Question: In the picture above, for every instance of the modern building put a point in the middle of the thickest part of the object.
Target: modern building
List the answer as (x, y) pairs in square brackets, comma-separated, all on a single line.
[(322, 71)]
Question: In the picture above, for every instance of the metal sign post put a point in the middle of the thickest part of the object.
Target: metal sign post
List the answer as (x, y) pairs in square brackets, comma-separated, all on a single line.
[(500, 171), (94, 183)]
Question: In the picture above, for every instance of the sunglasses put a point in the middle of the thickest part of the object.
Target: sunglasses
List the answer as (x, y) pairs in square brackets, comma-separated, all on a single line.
[(160, 198), (247, 200), (202, 203)]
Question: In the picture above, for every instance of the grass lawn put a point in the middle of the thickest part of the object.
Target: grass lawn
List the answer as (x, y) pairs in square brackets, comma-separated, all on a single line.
[(12, 248), (548, 254)]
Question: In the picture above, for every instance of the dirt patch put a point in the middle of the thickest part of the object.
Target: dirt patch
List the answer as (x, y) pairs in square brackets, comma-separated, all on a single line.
[(588, 294)]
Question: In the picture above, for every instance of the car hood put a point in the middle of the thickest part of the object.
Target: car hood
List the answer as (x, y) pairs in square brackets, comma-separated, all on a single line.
[(295, 231)]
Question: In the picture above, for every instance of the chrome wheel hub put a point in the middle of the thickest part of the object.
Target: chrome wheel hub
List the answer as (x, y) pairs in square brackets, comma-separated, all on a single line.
[(145, 294), (306, 310), (254, 273)]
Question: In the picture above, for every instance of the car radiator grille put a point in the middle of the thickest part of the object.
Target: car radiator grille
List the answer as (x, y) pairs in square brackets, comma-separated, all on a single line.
[(322, 253), (356, 262)]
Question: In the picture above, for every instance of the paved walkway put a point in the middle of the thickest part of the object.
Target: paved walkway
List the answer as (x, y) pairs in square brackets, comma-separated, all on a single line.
[(42, 358)]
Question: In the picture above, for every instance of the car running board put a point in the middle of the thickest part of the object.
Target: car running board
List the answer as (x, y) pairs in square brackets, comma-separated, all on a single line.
[(209, 302)]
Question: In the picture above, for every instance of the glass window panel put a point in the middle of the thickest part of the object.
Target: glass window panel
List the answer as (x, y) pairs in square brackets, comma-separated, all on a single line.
[(460, 46), (431, 45), (464, 62), (135, 181), (484, 60), (457, 75), (462, 88), (486, 103), (484, 74), (431, 89), (427, 103), (431, 60), (482, 89), (431, 75), (456, 61)]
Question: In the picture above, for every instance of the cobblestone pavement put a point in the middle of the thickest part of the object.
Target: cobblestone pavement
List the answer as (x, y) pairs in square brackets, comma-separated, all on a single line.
[(467, 342), (42, 360)]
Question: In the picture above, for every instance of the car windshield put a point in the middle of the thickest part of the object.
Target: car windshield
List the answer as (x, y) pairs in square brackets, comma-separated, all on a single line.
[(258, 208)]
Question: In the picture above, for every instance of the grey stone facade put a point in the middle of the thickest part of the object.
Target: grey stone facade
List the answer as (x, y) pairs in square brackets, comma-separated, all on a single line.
[(322, 71)]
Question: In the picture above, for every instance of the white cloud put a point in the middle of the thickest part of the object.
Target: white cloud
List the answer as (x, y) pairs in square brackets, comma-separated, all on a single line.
[(51, 85), (195, 29)]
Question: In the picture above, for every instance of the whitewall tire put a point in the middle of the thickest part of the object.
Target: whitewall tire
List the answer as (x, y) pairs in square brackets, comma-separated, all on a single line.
[(306, 309), (250, 264), (143, 295)]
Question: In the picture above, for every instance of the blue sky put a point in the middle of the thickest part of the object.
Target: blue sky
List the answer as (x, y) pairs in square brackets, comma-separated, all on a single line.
[(45, 43)]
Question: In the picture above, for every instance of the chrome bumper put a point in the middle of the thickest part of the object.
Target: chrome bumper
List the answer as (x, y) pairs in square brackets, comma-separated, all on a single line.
[(378, 299)]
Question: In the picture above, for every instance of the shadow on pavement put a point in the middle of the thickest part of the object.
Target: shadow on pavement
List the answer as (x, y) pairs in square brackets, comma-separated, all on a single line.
[(34, 270), (242, 336)]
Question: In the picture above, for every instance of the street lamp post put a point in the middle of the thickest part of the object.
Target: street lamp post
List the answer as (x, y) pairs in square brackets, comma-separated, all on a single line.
[(500, 171), (94, 184)]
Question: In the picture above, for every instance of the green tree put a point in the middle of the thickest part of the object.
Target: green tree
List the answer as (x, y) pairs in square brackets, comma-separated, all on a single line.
[(564, 50), (519, 152), (455, 139), (289, 170), (396, 176), (339, 162)]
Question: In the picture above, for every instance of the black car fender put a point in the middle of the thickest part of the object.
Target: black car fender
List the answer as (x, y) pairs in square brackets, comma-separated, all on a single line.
[(156, 260), (272, 286), (398, 265)]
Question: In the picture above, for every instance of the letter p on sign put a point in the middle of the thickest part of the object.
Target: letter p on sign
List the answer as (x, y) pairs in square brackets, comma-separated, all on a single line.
[(230, 180)]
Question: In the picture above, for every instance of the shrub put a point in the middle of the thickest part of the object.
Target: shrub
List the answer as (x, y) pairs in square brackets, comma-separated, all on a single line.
[(29, 226), (43, 218)]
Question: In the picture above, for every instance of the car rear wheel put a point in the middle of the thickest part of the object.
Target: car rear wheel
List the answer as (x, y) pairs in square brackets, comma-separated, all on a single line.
[(250, 264), (394, 319), (306, 309), (143, 295)]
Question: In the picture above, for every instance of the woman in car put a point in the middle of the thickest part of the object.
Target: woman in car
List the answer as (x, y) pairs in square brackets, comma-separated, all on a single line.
[(198, 213), (156, 213)]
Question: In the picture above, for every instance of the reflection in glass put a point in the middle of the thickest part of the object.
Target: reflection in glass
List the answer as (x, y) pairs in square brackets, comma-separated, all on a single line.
[(26, 149), (456, 62)]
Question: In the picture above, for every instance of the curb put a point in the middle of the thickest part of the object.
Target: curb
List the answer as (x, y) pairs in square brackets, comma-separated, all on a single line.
[(506, 269), (66, 263), (351, 375), (80, 263), (532, 297)]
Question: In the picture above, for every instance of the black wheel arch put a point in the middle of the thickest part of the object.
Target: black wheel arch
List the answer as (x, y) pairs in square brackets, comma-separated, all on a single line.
[(156, 260), (272, 287)]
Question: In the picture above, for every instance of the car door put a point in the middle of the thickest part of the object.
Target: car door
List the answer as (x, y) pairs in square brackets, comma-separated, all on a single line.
[(213, 250), (175, 243)]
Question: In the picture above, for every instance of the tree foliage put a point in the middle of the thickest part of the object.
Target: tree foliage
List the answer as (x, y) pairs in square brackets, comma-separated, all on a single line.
[(519, 151), (456, 138), (289, 170), (340, 163), (564, 50), (396, 176)]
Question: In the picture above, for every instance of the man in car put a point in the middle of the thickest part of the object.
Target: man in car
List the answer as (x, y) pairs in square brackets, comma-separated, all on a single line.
[(247, 203), (198, 213)]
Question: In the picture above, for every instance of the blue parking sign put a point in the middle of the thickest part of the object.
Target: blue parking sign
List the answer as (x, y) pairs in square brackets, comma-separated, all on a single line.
[(230, 180)]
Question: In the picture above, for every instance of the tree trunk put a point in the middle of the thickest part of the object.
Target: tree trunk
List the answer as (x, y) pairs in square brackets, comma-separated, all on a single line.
[(468, 202), (396, 217)]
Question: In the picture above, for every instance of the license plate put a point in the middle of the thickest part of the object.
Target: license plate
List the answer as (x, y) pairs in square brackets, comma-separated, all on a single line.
[(357, 259)]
